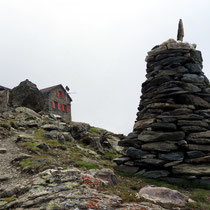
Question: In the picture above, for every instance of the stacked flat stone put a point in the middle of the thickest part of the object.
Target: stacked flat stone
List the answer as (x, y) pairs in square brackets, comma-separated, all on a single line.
[(171, 136)]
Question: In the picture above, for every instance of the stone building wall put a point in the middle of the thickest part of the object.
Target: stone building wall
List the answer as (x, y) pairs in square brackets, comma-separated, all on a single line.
[(4, 98), (52, 96), (171, 137)]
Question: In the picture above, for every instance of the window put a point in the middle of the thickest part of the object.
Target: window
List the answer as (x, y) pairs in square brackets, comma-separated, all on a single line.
[(62, 94), (67, 108), (53, 104), (57, 93), (59, 108), (62, 107), (56, 105)]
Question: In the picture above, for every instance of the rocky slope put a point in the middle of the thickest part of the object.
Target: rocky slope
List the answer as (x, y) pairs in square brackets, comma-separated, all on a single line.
[(49, 164)]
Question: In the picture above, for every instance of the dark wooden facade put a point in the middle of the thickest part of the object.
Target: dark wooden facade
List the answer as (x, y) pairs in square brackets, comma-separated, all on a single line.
[(57, 101)]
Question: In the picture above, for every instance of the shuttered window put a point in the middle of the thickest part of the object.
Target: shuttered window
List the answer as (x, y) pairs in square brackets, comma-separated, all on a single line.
[(62, 107), (53, 104), (59, 108), (62, 95), (67, 108), (57, 93)]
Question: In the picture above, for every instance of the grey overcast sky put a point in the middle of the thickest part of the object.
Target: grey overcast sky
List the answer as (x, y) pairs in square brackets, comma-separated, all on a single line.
[(96, 47)]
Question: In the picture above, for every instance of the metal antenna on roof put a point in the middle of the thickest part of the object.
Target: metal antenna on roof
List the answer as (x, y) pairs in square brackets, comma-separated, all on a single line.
[(67, 88)]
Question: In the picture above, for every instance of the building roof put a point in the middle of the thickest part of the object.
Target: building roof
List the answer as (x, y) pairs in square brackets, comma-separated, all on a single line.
[(4, 88), (49, 89)]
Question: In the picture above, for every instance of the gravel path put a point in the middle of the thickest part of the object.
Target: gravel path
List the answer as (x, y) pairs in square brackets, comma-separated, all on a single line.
[(8, 171)]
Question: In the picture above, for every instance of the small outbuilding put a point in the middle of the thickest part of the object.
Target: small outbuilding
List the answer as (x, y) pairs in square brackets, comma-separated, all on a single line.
[(57, 101)]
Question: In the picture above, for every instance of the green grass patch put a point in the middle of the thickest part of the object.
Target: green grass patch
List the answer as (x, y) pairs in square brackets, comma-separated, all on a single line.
[(198, 206), (25, 163), (111, 155), (86, 165), (127, 188), (9, 199), (30, 145), (39, 134), (94, 130), (38, 163), (52, 143), (201, 195)]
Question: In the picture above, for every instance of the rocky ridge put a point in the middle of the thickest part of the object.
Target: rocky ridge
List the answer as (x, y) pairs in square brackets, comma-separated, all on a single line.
[(39, 154), (171, 137)]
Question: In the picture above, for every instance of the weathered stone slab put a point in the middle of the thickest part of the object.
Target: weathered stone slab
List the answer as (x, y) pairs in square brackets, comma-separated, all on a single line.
[(193, 88), (127, 169), (156, 82), (130, 143), (166, 95), (176, 156), (50, 127), (194, 78), (160, 146), (130, 163), (194, 67), (135, 153), (133, 135), (199, 147), (193, 128), (170, 53), (151, 136), (195, 100), (163, 195), (168, 119), (195, 154), (205, 159), (156, 174), (179, 111), (172, 163), (163, 126), (151, 161), (156, 51), (173, 44), (199, 140), (189, 117), (205, 134), (121, 160), (192, 123), (167, 105), (192, 169), (170, 61), (141, 124), (196, 56)]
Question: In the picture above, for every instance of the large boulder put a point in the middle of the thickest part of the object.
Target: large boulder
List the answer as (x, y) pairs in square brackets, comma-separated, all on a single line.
[(27, 94), (163, 195)]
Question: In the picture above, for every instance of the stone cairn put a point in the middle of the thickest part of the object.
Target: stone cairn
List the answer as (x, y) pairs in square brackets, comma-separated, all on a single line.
[(171, 137)]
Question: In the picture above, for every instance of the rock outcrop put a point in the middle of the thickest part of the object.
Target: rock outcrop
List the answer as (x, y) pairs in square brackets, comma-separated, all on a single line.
[(26, 94), (171, 136), (65, 189)]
